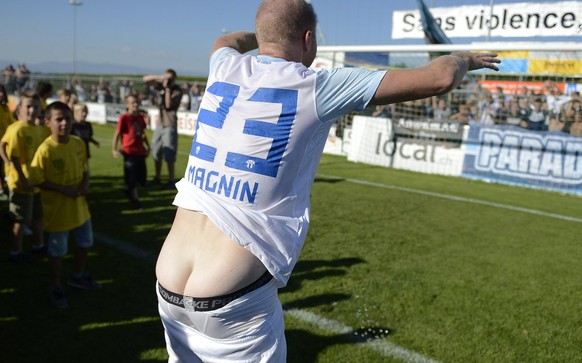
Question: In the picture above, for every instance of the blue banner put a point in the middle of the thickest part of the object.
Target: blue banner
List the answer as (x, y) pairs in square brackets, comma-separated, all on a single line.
[(510, 154)]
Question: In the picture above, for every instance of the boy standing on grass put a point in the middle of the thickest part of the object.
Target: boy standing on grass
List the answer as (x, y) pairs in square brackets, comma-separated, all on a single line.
[(59, 168), (134, 148), (18, 146), (83, 129), (6, 120)]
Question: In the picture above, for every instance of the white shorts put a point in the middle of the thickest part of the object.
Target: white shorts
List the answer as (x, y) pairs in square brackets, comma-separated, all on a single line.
[(248, 329)]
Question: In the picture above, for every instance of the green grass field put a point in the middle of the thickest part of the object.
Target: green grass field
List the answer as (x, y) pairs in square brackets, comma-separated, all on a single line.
[(397, 267)]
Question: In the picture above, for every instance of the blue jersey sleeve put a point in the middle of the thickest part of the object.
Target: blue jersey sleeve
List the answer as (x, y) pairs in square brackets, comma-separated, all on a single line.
[(340, 91)]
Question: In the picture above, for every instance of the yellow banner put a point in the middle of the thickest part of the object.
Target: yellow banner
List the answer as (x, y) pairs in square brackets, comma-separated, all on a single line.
[(555, 66), (513, 54)]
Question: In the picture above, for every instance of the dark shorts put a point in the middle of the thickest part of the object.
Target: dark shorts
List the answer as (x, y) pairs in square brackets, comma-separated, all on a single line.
[(134, 170)]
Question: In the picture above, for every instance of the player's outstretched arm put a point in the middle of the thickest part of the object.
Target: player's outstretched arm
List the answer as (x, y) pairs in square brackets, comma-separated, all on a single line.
[(241, 41), (438, 77)]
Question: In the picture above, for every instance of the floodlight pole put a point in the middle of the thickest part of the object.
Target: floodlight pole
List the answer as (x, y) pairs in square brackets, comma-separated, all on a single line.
[(75, 4)]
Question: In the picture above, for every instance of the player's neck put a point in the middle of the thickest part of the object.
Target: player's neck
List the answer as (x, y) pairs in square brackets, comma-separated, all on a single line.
[(61, 139)]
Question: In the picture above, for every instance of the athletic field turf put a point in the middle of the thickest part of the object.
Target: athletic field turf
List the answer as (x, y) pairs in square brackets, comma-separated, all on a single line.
[(397, 267)]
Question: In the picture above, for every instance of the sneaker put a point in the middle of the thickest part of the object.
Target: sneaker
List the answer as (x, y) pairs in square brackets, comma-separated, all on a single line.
[(27, 231), (39, 250), (170, 184), (136, 203), (155, 182), (19, 258), (58, 298), (84, 282)]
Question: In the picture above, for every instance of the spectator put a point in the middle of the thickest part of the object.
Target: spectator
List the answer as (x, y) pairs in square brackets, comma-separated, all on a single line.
[(165, 138), (63, 189), (67, 97), (195, 97), (10, 79), (442, 112), (556, 122), (502, 113), (134, 148), (185, 101), (83, 129), (20, 141), (22, 78), (518, 112), (572, 117), (382, 111), (487, 110), (463, 116), (44, 90), (80, 91), (537, 118)]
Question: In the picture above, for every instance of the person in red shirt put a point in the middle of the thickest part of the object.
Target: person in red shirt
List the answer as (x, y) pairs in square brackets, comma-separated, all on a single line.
[(134, 148)]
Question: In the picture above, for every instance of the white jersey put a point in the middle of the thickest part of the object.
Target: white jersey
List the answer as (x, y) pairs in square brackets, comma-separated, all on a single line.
[(261, 129)]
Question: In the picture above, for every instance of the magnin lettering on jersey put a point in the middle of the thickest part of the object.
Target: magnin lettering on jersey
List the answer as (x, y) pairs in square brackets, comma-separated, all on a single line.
[(542, 157), (224, 185)]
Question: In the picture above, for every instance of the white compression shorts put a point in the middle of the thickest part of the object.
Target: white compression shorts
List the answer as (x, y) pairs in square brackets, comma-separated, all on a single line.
[(248, 329)]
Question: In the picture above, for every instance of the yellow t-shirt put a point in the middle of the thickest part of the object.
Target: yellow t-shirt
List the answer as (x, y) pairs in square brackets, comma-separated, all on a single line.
[(63, 164), (22, 140), (6, 119)]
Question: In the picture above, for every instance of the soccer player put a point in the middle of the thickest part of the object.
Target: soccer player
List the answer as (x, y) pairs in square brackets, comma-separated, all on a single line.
[(243, 204)]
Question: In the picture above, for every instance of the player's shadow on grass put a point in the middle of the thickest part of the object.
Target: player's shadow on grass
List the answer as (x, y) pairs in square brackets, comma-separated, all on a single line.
[(304, 346), (319, 269), (331, 180)]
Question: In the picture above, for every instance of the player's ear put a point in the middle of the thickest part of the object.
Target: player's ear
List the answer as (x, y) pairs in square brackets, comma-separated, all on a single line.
[(308, 39)]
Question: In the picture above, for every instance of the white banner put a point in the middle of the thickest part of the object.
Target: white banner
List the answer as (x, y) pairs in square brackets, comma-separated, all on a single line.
[(186, 121), (373, 142), (97, 113), (527, 19)]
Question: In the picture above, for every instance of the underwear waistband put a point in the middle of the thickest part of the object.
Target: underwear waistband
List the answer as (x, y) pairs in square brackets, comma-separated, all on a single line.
[(211, 303)]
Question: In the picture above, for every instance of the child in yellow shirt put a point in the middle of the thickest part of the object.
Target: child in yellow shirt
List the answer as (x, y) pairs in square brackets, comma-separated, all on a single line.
[(18, 146), (5, 121), (59, 168)]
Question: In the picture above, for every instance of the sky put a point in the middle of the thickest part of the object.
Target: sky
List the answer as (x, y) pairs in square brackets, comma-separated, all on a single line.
[(156, 34)]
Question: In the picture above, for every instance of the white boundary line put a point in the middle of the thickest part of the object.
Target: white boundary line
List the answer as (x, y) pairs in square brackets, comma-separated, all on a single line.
[(381, 346), (455, 198)]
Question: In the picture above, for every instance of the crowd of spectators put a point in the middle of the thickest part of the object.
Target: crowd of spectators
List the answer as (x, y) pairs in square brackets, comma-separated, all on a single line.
[(102, 90), (540, 109), (546, 109), (16, 80)]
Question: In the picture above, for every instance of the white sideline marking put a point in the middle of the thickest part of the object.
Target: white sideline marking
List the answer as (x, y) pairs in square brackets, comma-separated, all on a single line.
[(456, 198), (382, 346)]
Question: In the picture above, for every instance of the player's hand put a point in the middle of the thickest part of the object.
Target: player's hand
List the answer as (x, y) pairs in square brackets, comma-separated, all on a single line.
[(25, 185), (480, 60), (115, 154)]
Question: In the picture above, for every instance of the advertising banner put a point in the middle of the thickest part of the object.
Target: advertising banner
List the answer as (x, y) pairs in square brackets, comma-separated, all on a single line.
[(97, 113), (423, 146), (524, 19), (510, 154)]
